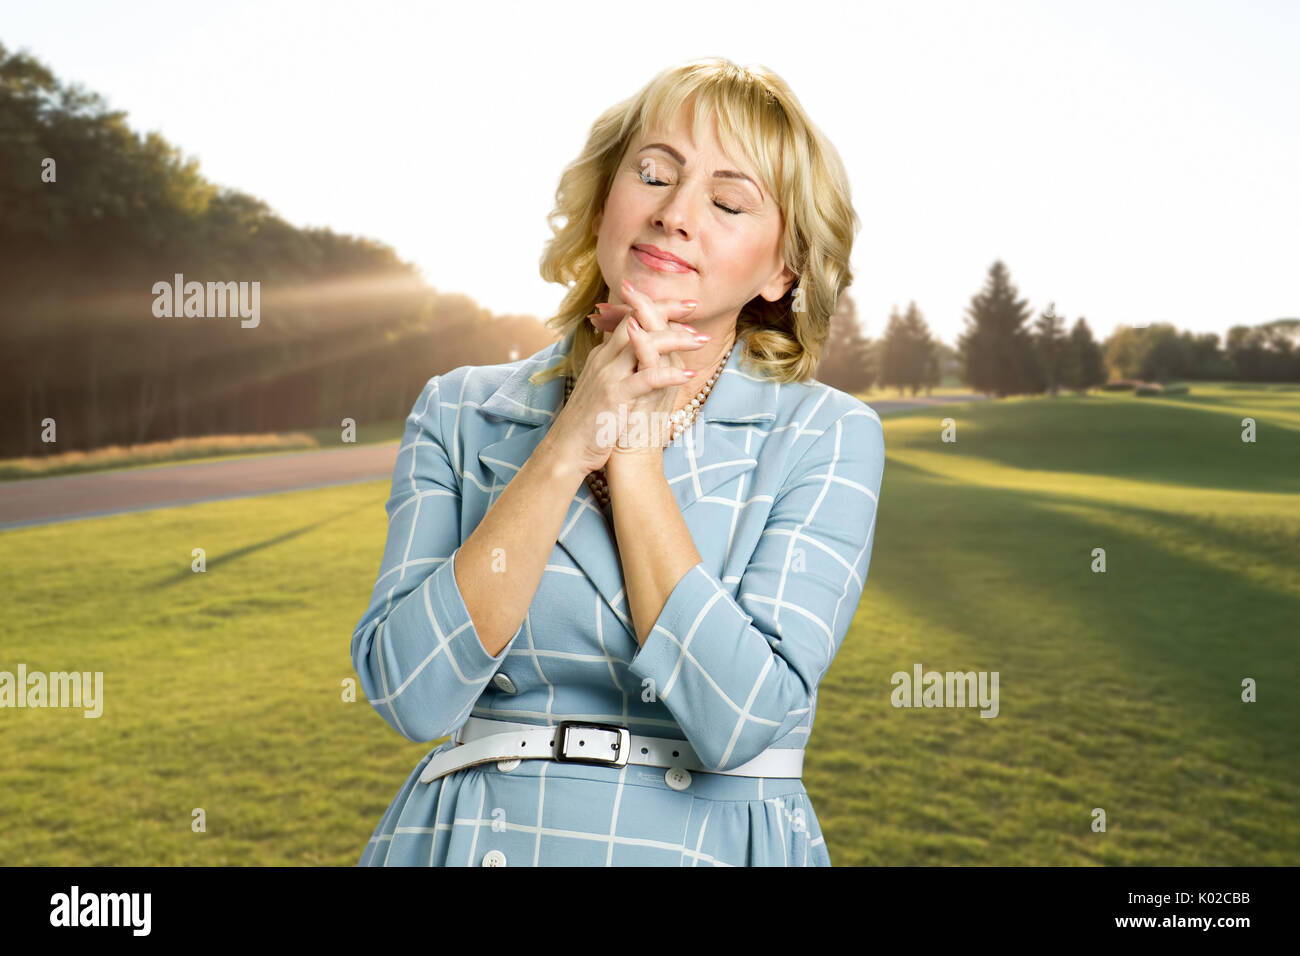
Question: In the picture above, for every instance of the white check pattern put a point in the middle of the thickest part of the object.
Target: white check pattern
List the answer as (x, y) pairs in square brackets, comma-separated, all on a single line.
[(779, 486)]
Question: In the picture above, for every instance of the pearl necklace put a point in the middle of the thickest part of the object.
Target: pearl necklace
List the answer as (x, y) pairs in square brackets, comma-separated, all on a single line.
[(680, 420)]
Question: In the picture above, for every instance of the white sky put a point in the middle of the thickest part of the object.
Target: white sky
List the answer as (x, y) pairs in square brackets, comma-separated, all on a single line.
[(1132, 161)]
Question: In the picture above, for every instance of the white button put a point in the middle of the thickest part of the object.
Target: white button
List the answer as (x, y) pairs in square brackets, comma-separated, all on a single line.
[(505, 683), (508, 765), (678, 778), (494, 858)]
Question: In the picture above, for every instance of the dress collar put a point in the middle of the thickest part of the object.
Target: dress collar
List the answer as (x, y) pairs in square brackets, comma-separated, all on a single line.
[(739, 396), (698, 461)]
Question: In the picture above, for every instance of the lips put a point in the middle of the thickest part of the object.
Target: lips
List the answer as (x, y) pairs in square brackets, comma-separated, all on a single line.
[(662, 254)]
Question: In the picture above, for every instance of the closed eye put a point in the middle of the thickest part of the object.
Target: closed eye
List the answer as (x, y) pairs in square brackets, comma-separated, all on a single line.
[(655, 182)]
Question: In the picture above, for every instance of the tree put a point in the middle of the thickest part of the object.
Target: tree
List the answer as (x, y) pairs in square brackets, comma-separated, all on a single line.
[(1165, 354), (1050, 344), (1267, 352), (1124, 352), (342, 331), (908, 357), (846, 357), (997, 352), (1082, 367), (924, 357)]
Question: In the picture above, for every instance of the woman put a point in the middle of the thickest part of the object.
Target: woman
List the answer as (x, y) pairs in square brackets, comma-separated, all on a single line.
[(681, 608)]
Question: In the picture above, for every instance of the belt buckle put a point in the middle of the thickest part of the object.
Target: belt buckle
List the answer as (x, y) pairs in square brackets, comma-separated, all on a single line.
[(562, 736)]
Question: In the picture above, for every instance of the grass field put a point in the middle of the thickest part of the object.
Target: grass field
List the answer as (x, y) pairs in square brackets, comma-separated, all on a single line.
[(229, 447), (1118, 690)]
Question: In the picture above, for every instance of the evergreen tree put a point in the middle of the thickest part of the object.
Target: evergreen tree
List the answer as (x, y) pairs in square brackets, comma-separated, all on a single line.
[(997, 352), (1050, 345), (846, 358), (1082, 366), (922, 357), (908, 355), (892, 353)]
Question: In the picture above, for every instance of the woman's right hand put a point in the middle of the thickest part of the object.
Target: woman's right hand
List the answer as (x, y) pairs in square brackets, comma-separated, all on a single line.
[(582, 431)]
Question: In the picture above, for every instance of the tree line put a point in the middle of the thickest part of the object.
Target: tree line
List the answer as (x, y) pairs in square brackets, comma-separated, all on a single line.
[(1002, 352), (93, 216)]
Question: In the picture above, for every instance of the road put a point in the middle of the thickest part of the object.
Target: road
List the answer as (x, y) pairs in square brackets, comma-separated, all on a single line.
[(96, 494)]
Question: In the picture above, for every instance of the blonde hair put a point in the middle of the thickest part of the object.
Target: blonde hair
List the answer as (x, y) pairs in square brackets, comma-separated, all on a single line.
[(759, 117)]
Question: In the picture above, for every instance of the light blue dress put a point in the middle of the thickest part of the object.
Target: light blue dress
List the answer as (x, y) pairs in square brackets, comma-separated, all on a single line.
[(778, 484)]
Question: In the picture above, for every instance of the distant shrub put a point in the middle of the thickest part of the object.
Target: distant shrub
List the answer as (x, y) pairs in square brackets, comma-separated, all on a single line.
[(1155, 388), (177, 449)]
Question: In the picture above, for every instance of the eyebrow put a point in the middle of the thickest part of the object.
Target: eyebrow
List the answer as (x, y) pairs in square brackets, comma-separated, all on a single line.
[(720, 174)]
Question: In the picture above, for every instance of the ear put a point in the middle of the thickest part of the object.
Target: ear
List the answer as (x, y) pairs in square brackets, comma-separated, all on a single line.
[(779, 285)]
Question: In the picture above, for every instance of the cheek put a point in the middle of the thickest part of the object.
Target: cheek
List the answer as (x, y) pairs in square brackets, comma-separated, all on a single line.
[(733, 261), (622, 202)]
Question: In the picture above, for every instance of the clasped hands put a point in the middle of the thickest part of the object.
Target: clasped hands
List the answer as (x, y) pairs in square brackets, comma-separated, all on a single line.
[(622, 402)]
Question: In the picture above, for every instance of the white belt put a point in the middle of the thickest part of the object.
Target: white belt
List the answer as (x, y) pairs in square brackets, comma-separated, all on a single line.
[(480, 740)]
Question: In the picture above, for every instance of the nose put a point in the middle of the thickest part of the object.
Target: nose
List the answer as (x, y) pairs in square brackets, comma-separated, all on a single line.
[(675, 214)]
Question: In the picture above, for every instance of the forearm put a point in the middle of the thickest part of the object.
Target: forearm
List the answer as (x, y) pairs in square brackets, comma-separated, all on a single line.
[(654, 543), (500, 565)]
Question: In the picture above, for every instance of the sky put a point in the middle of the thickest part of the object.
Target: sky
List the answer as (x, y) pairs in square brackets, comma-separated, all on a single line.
[(1132, 162)]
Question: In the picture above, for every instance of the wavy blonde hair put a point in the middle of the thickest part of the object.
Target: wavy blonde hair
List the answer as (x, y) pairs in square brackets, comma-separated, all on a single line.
[(758, 117)]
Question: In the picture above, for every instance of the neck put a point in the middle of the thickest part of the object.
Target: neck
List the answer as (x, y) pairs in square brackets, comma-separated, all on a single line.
[(705, 369)]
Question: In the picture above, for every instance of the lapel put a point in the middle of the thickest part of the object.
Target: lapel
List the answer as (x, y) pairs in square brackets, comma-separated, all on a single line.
[(699, 461)]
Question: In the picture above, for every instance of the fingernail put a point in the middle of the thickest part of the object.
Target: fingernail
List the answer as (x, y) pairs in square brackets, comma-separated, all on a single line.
[(691, 327), (702, 338), (632, 322), (627, 286), (690, 303), (689, 373), (601, 307)]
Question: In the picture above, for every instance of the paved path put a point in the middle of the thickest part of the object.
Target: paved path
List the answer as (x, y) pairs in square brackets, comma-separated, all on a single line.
[(69, 497), (95, 494)]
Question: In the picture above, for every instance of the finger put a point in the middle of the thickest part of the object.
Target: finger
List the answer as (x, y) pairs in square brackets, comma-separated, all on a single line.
[(624, 356), (649, 312), (683, 336), (676, 309), (608, 315), (667, 343), (620, 338), (609, 325), (647, 352), (648, 380)]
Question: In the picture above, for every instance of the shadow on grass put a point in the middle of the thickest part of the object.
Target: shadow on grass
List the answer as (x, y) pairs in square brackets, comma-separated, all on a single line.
[(1192, 445), (1164, 622), (229, 557)]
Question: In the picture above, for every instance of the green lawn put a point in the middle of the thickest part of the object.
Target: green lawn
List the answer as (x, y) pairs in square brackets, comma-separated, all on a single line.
[(1118, 690)]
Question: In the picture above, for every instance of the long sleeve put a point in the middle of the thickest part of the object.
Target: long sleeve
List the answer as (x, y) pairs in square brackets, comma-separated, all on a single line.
[(419, 658), (739, 674)]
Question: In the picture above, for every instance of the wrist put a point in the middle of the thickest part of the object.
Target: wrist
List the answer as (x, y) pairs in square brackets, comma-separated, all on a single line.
[(560, 467), (638, 459)]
